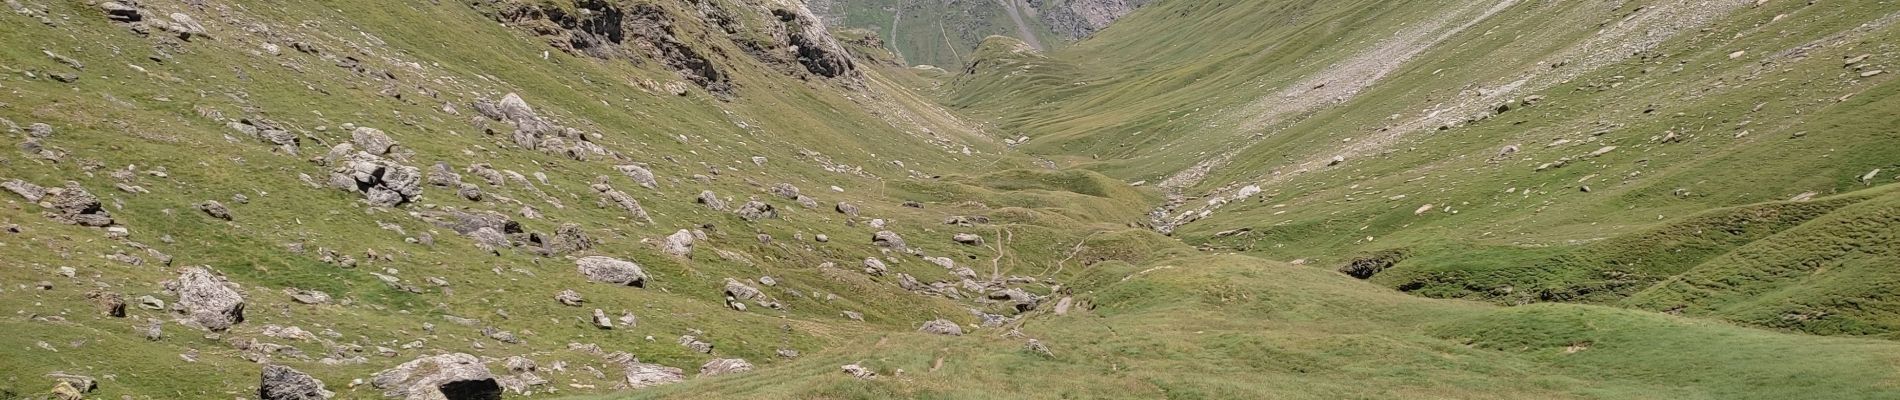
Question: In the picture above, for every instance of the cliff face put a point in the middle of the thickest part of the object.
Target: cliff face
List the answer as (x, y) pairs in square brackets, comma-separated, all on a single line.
[(1076, 19), (782, 34)]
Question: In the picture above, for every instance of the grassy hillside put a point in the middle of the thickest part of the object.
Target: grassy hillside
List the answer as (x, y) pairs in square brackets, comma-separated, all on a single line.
[(1518, 157), (1669, 199), (1238, 327)]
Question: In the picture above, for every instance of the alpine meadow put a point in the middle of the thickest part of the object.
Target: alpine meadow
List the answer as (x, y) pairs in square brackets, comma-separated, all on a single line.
[(949, 199)]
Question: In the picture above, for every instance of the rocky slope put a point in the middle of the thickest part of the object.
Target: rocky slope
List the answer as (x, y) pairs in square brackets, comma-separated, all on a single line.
[(944, 33)]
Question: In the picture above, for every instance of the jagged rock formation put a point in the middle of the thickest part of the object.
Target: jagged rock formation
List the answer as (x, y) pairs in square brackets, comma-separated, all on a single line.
[(1076, 19)]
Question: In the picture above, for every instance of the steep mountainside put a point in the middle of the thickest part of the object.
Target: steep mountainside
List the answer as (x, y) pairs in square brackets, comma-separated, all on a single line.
[(482, 199), (942, 33)]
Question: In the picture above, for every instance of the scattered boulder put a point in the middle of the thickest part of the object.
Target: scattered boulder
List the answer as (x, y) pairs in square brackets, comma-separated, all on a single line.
[(569, 298), (891, 240), (737, 292), (372, 140), (847, 209), (33, 193), (853, 315), (455, 376), (469, 192), (382, 182), (612, 270), (206, 299), (643, 375), (756, 210), (72, 204), (1036, 347), (467, 222), (284, 383), (711, 200), (640, 175), (693, 342), (875, 267), (722, 366), (968, 238), (610, 196), (308, 296), (679, 244), (1017, 298), (1364, 267), (569, 238), (215, 209), (72, 387), (860, 372), (941, 327), (112, 304), (601, 321), (489, 239), (785, 190)]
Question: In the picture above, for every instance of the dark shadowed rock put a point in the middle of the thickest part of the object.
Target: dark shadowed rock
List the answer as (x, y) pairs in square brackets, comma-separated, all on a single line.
[(215, 209), (72, 204), (283, 383), (891, 240), (454, 376)]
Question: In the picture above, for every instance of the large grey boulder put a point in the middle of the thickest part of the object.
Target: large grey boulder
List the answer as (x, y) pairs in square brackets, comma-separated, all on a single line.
[(941, 327), (678, 244), (456, 376), (889, 240), (33, 193), (711, 200), (569, 238), (756, 210), (612, 270), (206, 299), (283, 383), (372, 140), (72, 204), (382, 182), (643, 375), (722, 366), (785, 190), (874, 266), (640, 174)]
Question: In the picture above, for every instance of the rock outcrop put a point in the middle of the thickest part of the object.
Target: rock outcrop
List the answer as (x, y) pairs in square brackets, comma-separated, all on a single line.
[(455, 376), (283, 383), (612, 270), (206, 299)]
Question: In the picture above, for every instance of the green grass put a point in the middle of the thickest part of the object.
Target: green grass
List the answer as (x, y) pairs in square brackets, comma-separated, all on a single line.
[(1774, 299)]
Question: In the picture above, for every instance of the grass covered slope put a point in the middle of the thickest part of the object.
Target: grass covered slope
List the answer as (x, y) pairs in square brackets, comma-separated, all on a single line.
[(1239, 327), (836, 201), (147, 127), (1518, 154)]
